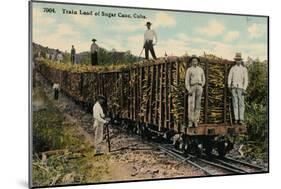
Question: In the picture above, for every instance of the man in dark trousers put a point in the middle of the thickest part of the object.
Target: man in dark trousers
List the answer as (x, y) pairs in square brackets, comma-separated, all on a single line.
[(72, 55), (94, 52), (56, 88), (148, 44)]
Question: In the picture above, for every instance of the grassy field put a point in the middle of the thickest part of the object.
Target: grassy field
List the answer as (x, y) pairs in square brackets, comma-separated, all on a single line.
[(61, 155)]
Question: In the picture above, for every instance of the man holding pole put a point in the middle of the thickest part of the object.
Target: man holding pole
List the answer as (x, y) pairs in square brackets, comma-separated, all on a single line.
[(194, 83), (99, 121), (238, 83), (148, 44)]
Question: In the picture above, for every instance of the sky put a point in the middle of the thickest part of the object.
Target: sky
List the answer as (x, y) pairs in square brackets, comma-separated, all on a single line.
[(178, 32)]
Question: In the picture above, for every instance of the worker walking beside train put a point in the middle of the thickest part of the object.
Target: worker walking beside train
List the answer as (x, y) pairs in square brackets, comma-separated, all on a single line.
[(238, 83), (99, 121), (56, 88), (194, 82)]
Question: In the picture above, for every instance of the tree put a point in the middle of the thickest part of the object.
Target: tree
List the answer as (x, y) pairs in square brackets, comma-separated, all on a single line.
[(257, 101)]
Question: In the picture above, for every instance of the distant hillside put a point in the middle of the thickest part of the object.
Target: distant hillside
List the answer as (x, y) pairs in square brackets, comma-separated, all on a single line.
[(104, 57)]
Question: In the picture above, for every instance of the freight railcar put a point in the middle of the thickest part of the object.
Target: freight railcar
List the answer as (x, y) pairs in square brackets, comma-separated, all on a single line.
[(149, 98)]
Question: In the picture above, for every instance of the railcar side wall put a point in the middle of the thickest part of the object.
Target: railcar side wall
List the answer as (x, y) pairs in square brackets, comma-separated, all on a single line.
[(151, 93)]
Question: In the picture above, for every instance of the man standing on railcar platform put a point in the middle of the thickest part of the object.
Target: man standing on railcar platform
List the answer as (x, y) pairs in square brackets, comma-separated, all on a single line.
[(238, 83), (194, 83)]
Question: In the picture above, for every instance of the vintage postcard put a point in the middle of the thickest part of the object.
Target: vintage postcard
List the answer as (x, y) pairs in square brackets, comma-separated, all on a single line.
[(124, 94)]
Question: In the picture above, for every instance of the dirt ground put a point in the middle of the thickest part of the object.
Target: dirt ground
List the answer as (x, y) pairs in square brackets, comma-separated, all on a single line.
[(130, 157)]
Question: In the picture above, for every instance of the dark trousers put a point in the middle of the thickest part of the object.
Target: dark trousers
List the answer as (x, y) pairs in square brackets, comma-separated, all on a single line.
[(148, 46), (56, 94), (72, 58), (94, 58)]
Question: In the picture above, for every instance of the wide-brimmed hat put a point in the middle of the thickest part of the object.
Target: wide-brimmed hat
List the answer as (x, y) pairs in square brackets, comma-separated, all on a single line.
[(192, 57), (101, 97), (238, 56), (148, 23), (94, 40)]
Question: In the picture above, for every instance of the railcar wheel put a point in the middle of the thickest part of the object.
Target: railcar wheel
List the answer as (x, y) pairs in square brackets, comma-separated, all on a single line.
[(222, 153), (208, 150), (199, 150), (221, 149)]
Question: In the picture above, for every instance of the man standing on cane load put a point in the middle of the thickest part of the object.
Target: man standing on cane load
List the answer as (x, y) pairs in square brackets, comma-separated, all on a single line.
[(148, 44), (72, 54), (99, 121), (238, 83), (94, 52), (194, 82)]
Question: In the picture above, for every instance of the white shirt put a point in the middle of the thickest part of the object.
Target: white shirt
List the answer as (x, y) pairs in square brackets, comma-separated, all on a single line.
[(56, 86), (53, 56), (98, 113), (150, 35), (94, 48), (59, 57), (194, 75), (238, 77)]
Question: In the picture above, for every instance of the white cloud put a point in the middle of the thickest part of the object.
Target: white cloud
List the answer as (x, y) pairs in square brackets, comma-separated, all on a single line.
[(256, 30), (62, 37), (115, 42), (231, 36), (134, 44), (196, 45), (127, 26), (254, 50), (224, 50), (214, 28), (172, 47), (41, 19), (66, 30), (162, 19), (83, 20)]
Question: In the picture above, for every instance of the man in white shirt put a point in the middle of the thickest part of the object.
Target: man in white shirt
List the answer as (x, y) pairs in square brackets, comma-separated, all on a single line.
[(58, 56), (56, 88), (194, 82), (94, 52), (53, 56), (238, 83), (148, 44), (99, 121)]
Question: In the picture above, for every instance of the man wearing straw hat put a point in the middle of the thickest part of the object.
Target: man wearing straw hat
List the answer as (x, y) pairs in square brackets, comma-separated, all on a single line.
[(237, 83), (148, 44), (194, 83), (99, 121), (94, 52)]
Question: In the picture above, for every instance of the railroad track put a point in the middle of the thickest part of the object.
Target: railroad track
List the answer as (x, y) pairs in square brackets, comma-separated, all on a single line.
[(211, 165), (242, 165)]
